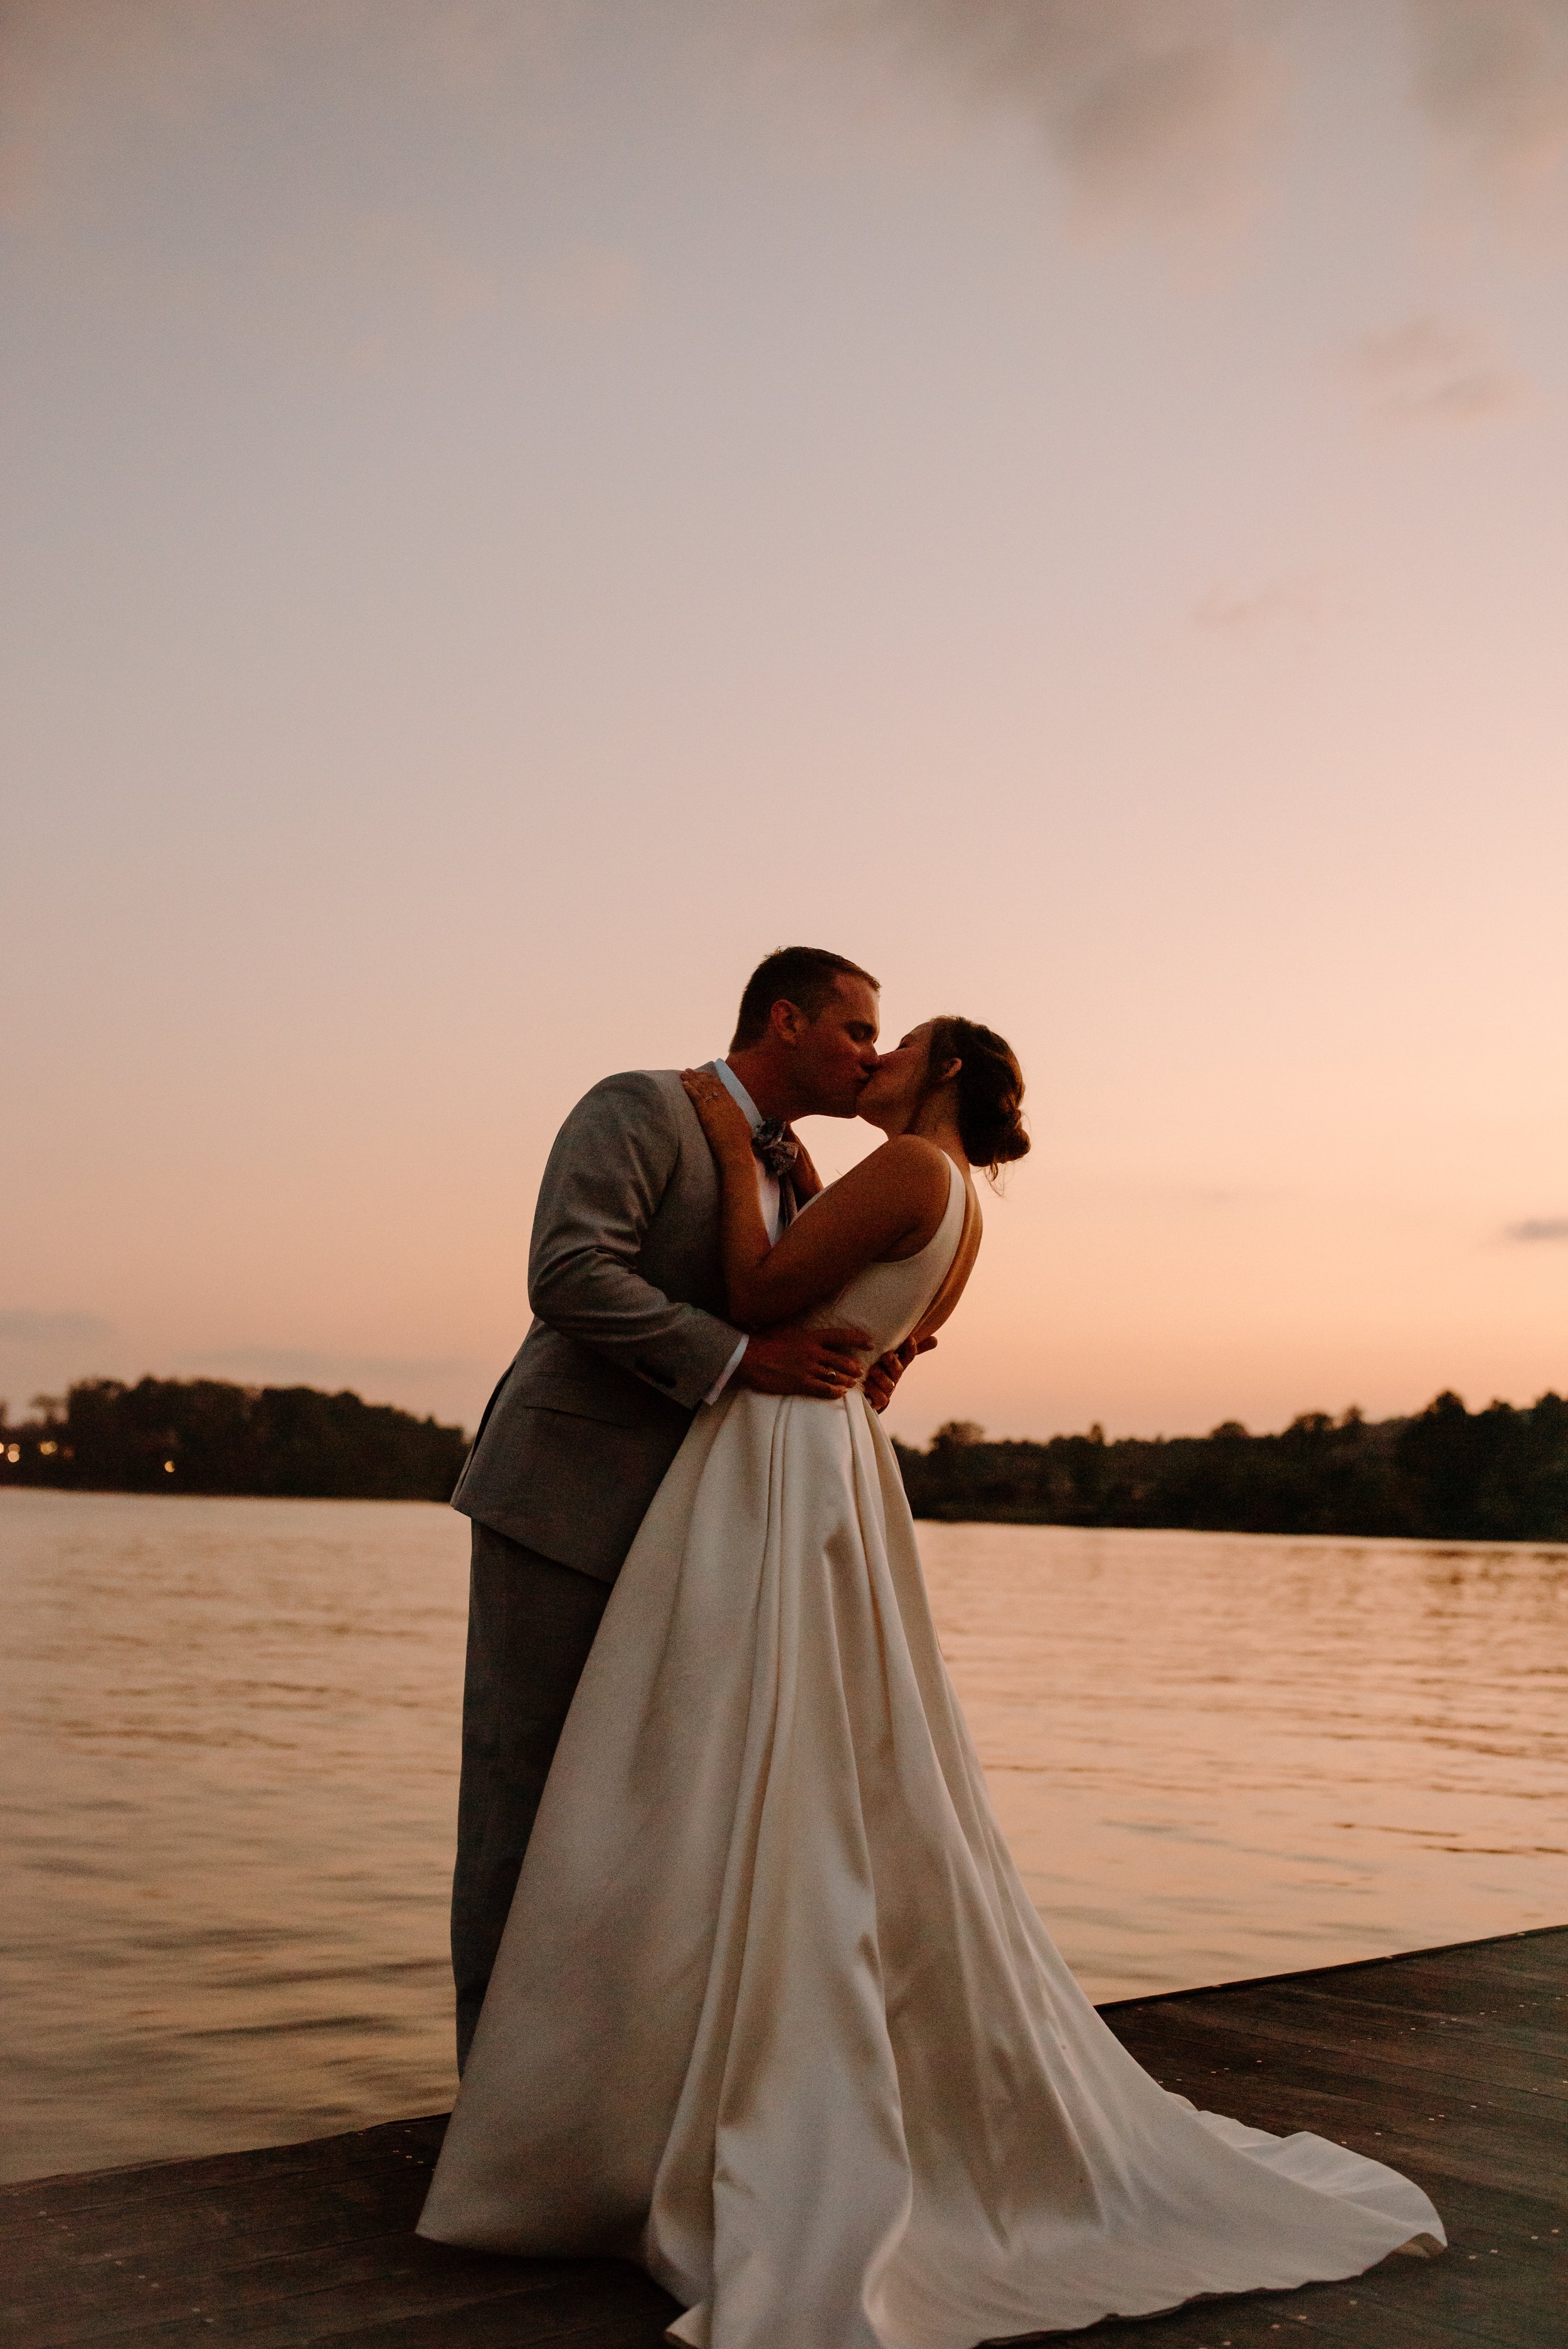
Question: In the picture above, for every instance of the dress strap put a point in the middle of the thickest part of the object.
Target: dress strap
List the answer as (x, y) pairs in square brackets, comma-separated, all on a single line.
[(957, 1270)]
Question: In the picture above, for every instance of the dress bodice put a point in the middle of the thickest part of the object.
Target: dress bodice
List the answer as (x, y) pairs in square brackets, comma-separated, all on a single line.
[(887, 1300)]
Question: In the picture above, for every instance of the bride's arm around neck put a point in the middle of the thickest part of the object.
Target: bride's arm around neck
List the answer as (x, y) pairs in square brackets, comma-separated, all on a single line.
[(888, 1206)]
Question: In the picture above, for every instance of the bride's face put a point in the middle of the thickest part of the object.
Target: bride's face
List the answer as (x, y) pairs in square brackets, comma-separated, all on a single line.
[(896, 1086)]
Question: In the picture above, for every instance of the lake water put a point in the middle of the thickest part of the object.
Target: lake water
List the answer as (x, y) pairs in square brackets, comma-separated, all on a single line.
[(230, 1751)]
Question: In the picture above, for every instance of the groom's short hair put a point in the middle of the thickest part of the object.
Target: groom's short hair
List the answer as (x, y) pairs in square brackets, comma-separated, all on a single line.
[(805, 976)]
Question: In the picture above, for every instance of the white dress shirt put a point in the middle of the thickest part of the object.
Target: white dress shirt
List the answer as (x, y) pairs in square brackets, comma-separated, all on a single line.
[(766, 1194)]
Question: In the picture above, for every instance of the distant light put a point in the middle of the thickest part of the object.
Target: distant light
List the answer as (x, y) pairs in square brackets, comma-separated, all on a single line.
[(169, 1467), (15, 1453), (47, 1448)]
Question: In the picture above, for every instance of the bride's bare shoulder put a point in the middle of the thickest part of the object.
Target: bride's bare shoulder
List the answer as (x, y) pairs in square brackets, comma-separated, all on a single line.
[(909, 1161), (915, 1150)]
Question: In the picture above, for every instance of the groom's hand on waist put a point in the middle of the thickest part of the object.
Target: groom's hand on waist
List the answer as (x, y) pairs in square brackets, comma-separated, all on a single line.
[(822, 1362), (888, 1368)]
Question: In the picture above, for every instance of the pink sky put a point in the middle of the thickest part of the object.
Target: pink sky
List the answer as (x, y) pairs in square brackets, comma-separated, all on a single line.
[(518, 508)]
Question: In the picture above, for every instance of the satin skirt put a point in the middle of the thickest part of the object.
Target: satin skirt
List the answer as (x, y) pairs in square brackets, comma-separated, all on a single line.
[(773, 2013)]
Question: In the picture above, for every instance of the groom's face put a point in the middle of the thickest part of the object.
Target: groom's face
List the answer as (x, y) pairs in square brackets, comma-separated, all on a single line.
[(837, 1051)]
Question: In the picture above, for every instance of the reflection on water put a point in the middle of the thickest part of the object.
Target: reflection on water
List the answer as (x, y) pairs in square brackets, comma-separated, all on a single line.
[(1224, 1754), (230, 1782)]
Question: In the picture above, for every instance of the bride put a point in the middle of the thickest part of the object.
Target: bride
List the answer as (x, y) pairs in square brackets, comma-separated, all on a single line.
[(774, 2014)]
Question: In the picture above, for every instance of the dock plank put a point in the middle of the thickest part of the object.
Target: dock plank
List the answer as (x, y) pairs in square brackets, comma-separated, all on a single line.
[(390, 2287), (1451, 2063), (100, 2190), (1516, 2050), (211, 2229)]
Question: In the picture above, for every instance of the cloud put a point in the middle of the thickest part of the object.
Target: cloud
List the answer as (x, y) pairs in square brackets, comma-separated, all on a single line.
[(1429, 371), (1229, 611), (1492, 76), (1153, 107), (19, 1327), (1539, 1227)]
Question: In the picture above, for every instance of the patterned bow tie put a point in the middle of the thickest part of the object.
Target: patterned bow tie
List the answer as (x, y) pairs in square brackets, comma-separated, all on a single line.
[(776, 1146)]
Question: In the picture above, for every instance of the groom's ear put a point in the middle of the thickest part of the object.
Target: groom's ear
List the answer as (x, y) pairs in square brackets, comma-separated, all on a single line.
[(949, 1072)]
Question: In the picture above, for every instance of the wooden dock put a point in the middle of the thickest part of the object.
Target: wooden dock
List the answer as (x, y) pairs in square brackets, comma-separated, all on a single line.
[(1451, 2063)]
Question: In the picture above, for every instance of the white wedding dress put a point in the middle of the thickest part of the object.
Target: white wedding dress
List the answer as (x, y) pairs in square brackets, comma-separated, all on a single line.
[(774, 2014)]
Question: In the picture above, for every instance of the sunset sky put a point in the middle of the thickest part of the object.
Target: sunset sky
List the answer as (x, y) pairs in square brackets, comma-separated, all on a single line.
[(515, 508)]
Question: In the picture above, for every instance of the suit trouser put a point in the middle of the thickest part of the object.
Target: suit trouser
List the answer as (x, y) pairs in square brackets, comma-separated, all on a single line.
[(531, 1625)]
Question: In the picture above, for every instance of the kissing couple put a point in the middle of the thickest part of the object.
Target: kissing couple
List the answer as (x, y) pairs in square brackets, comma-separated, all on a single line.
[(749, 1989)]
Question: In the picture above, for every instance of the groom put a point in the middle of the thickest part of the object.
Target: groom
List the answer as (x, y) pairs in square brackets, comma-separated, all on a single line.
[(628, 1340)]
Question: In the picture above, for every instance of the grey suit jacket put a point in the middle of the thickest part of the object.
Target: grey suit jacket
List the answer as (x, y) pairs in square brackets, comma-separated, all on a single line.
[(626, 1283)]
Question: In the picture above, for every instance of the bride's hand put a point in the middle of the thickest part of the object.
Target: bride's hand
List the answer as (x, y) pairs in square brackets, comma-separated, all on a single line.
[(720, 1115)]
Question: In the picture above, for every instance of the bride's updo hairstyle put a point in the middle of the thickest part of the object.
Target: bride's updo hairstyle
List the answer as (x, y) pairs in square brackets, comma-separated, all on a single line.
[(990, 1091)]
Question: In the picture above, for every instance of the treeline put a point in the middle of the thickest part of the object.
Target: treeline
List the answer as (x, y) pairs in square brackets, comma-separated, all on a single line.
[(1448, 1474), (204, 1436)]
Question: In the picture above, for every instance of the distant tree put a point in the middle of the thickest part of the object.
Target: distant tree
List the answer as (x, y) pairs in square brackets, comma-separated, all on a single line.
[(1448, 1474), (204, 1436), (1497, 1475)]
